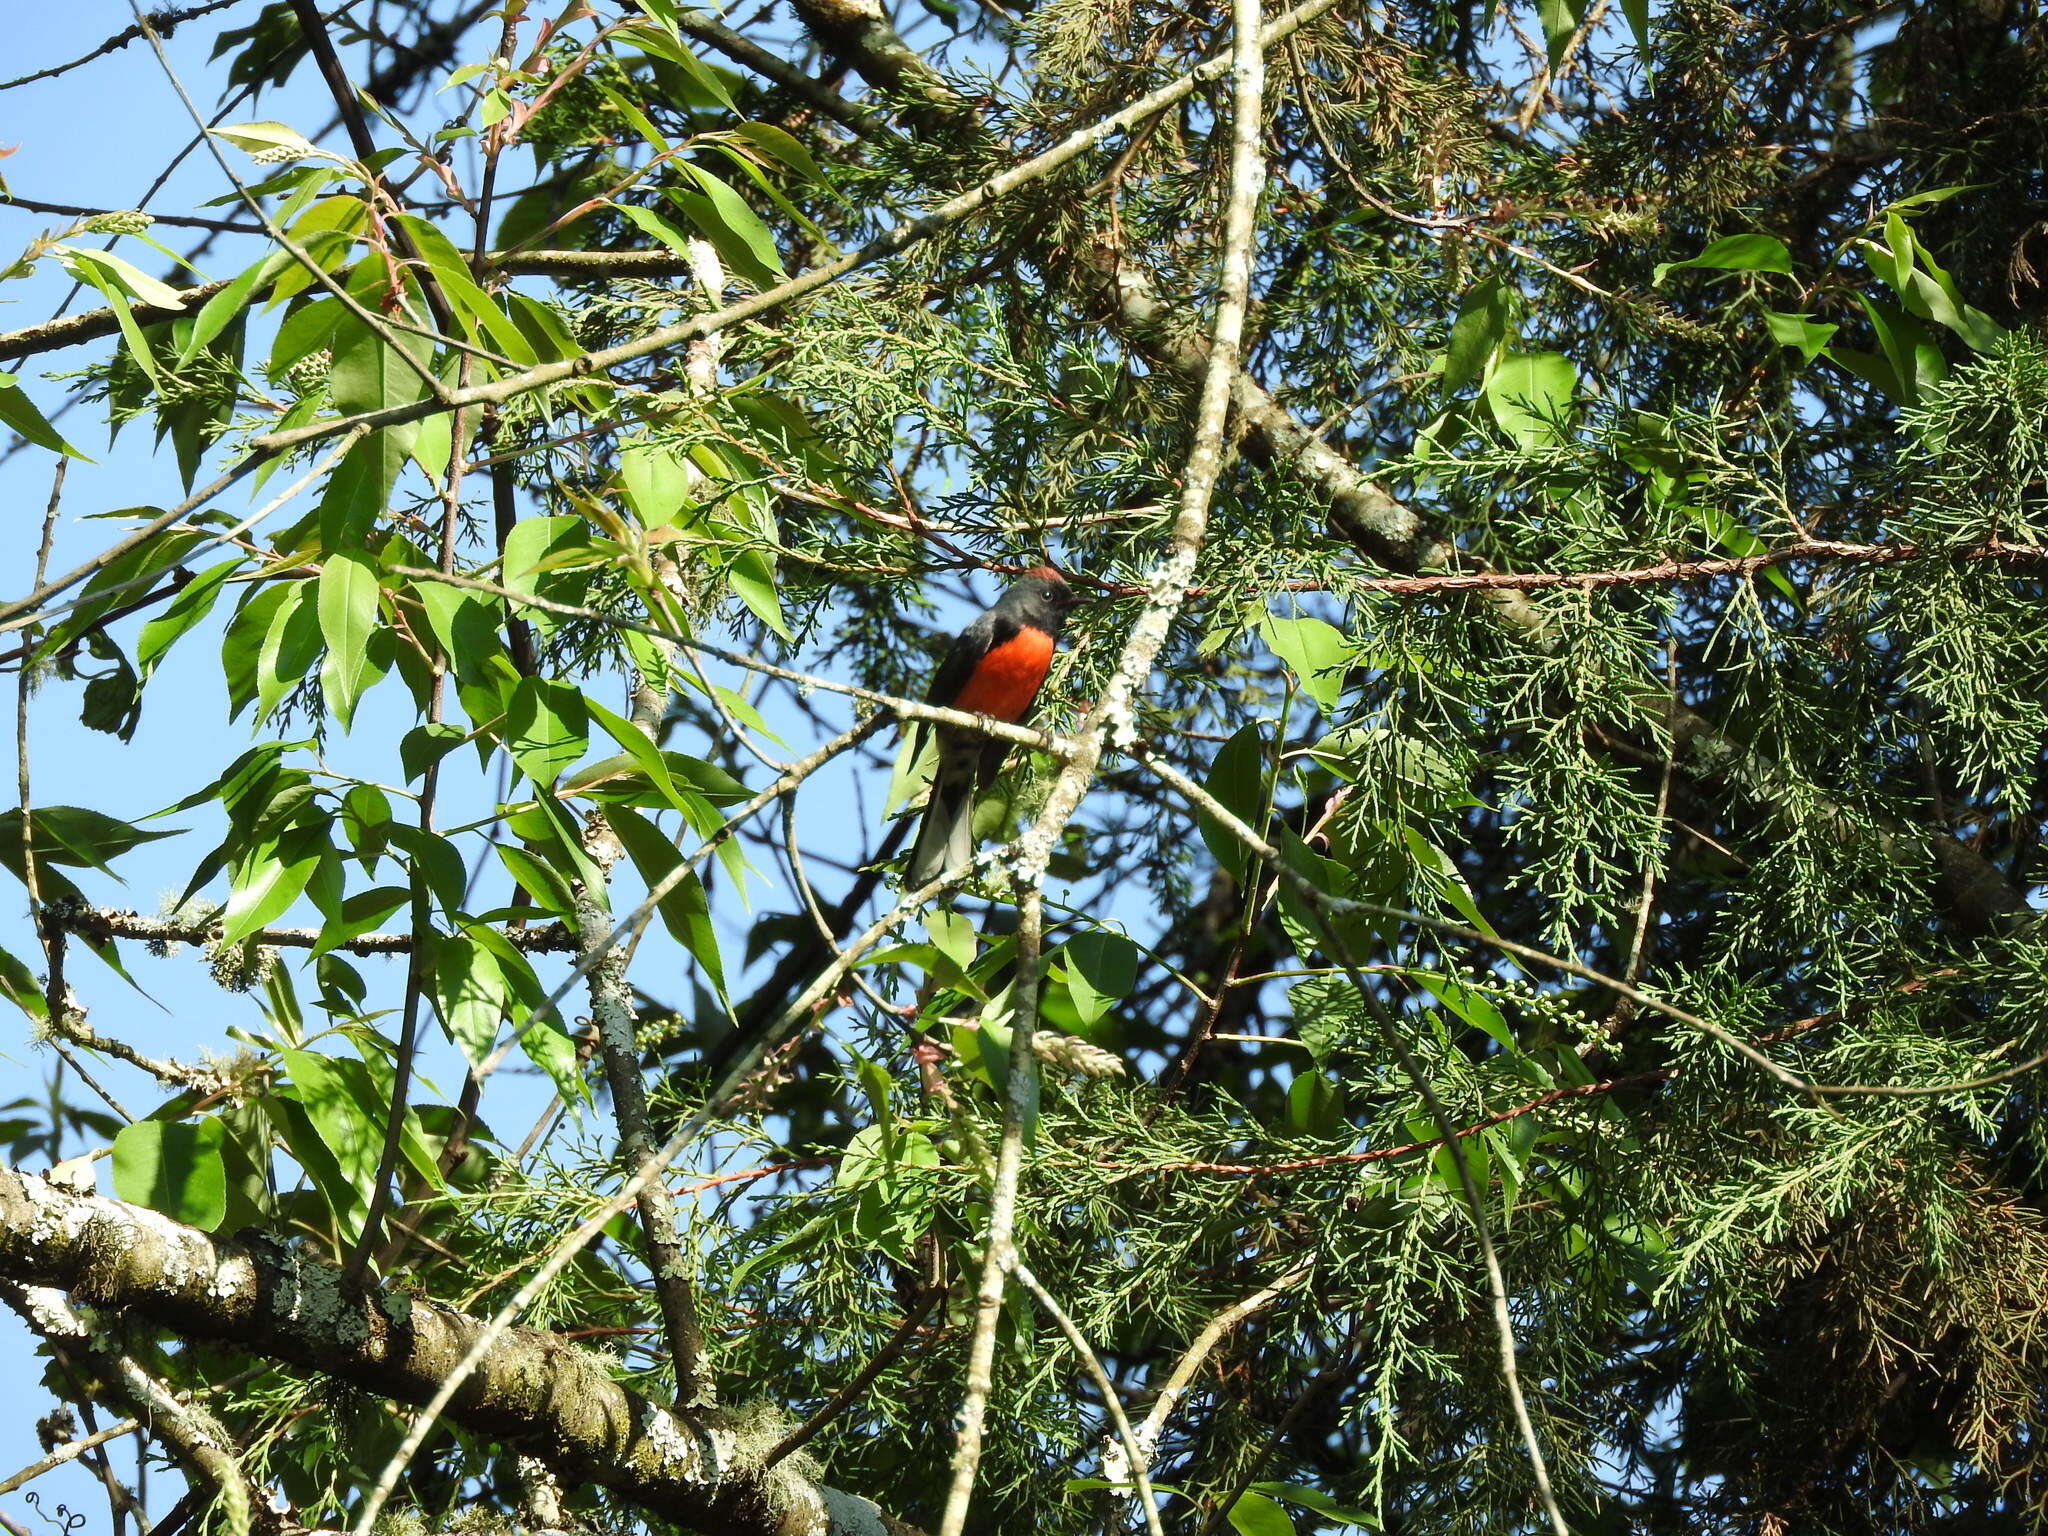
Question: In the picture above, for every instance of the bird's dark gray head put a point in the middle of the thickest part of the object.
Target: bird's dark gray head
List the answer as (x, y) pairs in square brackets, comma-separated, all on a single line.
[(1041, 597)]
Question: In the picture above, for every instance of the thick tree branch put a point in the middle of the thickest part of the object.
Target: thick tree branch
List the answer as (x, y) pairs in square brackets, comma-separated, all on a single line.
[(531, 1389)]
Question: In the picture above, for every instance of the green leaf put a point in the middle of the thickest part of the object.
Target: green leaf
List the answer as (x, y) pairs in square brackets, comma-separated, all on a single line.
[(348, 617), (1637, 13), (779, 145), (469, 301), (538, 879), (640, 748), (465, 624), (368, 373), (1735, 253), (117, 300), (723, 217), (194, 601), (218, 311), (1315, 1106), (752, 576), (1531, 394), (361, 913), (19, 986), (266, 135), (425, 745), (1101, 967), (268, 878), (131, 278), (547, 727), (1316, 652), (1560, 19), (1809, 336), (1482, 324), (1237, 778), (952, 936), (349, 1132), (288, 647), (19, 413), (70, 834), (174, 1166), (650, 223), (1317, 1500), (1256, 1515), (686, 910), (469, 993)]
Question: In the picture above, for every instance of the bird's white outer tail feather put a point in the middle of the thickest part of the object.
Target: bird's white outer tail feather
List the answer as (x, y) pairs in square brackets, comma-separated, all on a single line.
[(945, 838)]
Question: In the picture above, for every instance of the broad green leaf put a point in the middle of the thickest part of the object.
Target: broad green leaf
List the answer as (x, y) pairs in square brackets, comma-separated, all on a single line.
[(287, 648), (348, 617), (777, 144), (123, 579), (131, 278), (369, 373), (268, 878), (469, 993), (686, 910), (350, 1135), (194, 601), (1316, 652), (953, 936), (1735, 253), (1237, 778), (653, 224), (1317, 1500), (360, 487), (1809, 336), (19, 986), (539, 881), (425, 745), (664, 45), (174, 1166), (1101, 967), (70, 834), (1482, 324), (547, 727), (1256, 1515), (307, 329), (258, 137), (465, 624), (218, 311), (1637, 13), (19, 413), (1315, 1106), (641, 749), (434, 859), (752, 575), (657, 479), (538, 556), (723, 217), (1559, 19), (362, 913), (1531, 394), (117, 300), (459, 286)]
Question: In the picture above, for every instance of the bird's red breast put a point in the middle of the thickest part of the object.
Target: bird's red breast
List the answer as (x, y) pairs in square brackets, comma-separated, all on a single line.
[(1006, 680)]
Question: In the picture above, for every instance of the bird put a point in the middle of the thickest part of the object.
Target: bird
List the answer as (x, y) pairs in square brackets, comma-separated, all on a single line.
[(994, 667)]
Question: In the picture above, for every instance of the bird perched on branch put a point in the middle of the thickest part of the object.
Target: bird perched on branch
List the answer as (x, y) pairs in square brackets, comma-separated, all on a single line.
[(995, 667)]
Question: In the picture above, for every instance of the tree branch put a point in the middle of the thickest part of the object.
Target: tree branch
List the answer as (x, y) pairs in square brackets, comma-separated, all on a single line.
[(531, 1389)]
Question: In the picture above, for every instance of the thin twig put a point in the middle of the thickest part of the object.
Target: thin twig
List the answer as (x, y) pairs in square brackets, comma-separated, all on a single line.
[(1147, 1504), (859, 1382), (1112, 715), (1320, 905)]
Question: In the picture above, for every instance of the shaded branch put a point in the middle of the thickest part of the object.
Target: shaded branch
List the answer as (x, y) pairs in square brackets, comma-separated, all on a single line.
[(531, 1389)]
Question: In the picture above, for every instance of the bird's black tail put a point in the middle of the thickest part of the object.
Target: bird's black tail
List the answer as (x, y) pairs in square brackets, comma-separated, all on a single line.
[(945, 838)]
